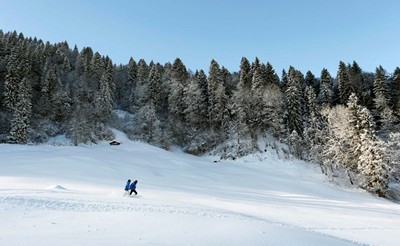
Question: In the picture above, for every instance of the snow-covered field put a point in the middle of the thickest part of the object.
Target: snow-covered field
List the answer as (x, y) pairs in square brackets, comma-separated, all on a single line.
[(64, 195)]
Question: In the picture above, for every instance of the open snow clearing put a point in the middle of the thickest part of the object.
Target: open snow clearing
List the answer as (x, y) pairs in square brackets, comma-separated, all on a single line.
[(74, 196)]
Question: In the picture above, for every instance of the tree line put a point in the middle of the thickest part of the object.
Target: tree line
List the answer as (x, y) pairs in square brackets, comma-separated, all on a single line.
[(348, 124)]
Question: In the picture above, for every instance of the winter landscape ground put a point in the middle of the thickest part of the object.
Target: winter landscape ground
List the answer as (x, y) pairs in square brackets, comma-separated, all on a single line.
[(65, 195)]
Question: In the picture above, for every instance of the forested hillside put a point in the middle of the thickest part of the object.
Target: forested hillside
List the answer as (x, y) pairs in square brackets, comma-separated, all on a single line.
[(348, 124)]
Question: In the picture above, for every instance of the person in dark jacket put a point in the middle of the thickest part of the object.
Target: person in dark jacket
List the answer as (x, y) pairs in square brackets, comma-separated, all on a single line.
[(128, 185), (133, 187)]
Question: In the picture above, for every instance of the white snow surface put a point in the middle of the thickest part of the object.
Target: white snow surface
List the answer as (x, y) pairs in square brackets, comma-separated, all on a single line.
[(67, 195)]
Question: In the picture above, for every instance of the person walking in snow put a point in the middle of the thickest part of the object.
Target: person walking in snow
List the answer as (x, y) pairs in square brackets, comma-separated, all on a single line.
[(133, 187), (128, 185)]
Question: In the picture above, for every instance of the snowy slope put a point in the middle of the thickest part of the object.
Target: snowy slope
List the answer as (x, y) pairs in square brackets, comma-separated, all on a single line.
[(64, 195)]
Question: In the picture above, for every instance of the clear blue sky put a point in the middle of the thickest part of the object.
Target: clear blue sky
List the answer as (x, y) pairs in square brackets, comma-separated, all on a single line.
[(307, 34)]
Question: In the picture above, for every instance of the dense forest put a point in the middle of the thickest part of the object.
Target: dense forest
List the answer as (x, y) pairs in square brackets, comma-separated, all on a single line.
[(348, 125)]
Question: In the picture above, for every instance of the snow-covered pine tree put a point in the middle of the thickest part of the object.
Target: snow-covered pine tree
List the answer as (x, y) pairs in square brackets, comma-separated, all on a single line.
[(272, 111), (294, 102), (314, 132), (13, 79), (79, 126), (343, 83), (148, 126), (104, 97), (310, 80), (202, 82), (176, 100), (241, 100), (395, 91), (73, 56), (50, 86), (196, 115), (179, 77), (142, 79), (256, 104), (284, 80), (337, 154), (240, 113), (245, 75), (326, 88), (193, 111), (269, 75), (256, 65), (22, 113), (372, 163), (382, 99), (222, 111), (62, 104), (83, 60), (97, 68), (154, 88), (367, 151), (130, 94), (357, 82), (214, 81), (217, 98)]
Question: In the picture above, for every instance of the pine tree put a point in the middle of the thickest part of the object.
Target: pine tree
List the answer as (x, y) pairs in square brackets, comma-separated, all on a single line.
[(84, 60), (326, 88), (257, 104), (142, 78), (223, 110), (21, 120), (74, 56), (294, 100), (105, 98), (380, 89), (62, 105), (154, 88), (79, 127), (314, 130), (245, 74), (344, 83), (256, 65), (217, 97), (269, 75), (202, 83), (284, 80), (179, 71), (382, 99), (366, 149), (395, 89), (357, 82), (97, 67), (176, 102), (371, 162), (131, 86), (227, 81), (240, 112), (148, 125), (13, 79), (241, 109)]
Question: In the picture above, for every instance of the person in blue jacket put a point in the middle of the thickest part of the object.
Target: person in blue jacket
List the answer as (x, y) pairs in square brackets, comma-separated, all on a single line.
[(128, 185), (133, 187)]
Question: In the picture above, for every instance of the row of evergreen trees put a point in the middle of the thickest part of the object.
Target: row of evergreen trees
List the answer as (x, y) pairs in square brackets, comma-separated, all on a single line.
[(346, 124)]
